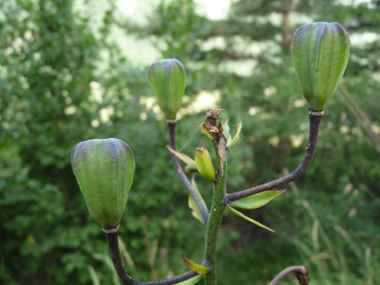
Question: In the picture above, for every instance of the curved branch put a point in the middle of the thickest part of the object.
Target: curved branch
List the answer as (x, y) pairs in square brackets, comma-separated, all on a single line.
[(182, 175), (315, 122), (115, 255), (301, 272)]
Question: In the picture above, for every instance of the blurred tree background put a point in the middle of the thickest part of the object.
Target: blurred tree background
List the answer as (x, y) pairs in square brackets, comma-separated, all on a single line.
[(64, 79)]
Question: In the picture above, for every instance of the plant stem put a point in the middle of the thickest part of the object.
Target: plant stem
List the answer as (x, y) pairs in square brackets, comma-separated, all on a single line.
[(301, 272), (115, 255), (216, 215), (315, 122), (182, 175)]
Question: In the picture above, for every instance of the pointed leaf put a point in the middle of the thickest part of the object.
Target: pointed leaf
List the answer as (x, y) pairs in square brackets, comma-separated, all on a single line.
[(237, 213), (181, 156), (257, 200), (197, 191), (191, 281), (229, 139), (195, 210), (236, 137), (204, 163), (205, 131), (192, 205), (226, 128), (195, 266)]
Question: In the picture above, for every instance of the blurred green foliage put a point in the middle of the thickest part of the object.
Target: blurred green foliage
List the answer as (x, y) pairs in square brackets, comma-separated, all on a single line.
[(62, 81)]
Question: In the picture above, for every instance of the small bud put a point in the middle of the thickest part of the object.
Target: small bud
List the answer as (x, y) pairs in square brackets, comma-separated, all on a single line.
[(205, 131), (231, 142), (204, 163), (226, 128), (167, 78), (320, 54), (104, 170), (191, 168)]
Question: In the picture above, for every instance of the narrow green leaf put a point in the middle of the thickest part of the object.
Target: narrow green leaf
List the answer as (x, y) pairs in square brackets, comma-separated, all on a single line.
[(205, 131), (237, 213), (191, 281), (181, 156), (192, 205), (94, 276), (197, 191), (236, 137), (195, 210), (195, 266), (257, 200), (229, 139), (226, 128)]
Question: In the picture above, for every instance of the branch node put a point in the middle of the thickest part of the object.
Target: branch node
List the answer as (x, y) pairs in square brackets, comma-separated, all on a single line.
[(110, 231), (316, 113)]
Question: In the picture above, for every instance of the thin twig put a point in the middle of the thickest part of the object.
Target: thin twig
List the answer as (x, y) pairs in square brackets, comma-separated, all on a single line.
[(301, 272), (315, 122), (182, 175), (115, 255)]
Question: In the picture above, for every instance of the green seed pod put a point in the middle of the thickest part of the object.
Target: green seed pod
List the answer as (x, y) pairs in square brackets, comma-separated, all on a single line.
[(167, 78), (320, 54), (104, 170)]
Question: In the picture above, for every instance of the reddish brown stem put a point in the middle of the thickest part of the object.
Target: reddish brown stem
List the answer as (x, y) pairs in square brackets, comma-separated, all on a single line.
[(115, 255), (315, 122), (301, 272), (182, 175)]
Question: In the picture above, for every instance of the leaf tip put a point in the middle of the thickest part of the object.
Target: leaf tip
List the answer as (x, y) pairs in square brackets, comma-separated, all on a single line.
[(200, 269)]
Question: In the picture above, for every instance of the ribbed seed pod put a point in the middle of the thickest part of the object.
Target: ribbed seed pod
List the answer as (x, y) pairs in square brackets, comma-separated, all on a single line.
[(320, 54), (104, 169), (167, 77)]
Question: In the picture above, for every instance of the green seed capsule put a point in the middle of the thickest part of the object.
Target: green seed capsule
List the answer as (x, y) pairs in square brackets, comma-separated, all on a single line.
[(167, 78), (320, 54), (104, 170)]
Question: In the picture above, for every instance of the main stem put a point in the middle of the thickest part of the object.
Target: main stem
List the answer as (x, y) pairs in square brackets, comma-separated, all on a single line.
[(215, 218)]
